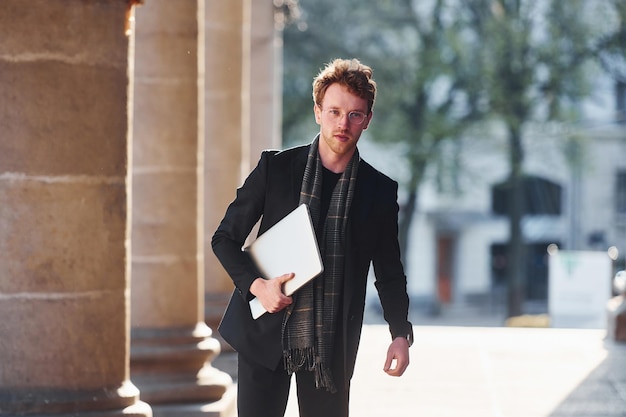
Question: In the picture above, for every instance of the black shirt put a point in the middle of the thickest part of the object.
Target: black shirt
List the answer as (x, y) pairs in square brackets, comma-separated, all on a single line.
[(329, 180)]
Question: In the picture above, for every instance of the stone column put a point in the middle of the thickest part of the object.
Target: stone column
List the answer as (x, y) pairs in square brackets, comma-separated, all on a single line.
[(242, 109), (172, 348), (265, 80), (224, 135), (64, 327)]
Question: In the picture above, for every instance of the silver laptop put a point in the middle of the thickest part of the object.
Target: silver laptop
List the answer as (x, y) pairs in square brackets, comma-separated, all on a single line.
[(288, 246)]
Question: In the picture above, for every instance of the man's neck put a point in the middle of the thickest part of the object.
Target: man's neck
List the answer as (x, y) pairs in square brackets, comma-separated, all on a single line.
[(334, 163)]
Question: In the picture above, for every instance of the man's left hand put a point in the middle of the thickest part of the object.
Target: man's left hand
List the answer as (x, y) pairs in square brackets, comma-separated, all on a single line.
[(397, 356)]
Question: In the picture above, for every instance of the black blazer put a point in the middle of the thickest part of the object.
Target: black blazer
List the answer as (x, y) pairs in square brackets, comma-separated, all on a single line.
[(271, 191)]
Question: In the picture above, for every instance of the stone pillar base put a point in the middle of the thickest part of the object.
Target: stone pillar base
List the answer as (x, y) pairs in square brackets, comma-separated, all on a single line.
[(209, 385), (173, 366), (105, 402), (225, 407), (139, 409)]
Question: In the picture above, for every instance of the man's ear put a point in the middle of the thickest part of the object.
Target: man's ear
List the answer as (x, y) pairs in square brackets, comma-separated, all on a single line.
[(366, 123), (318, 114)]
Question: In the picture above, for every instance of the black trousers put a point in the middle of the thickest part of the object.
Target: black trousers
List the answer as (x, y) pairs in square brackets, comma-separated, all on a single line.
[(263, 392)]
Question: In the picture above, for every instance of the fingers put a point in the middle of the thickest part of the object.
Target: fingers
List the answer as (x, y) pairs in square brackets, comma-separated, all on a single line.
[(286, 277), (397, 359), (270, 292), (388, 363), (396, 367), (276, 305), (273, 299), (278, 300)]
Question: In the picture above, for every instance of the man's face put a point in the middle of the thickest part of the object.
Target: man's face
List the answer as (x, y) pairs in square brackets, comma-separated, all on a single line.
[(342, 117)]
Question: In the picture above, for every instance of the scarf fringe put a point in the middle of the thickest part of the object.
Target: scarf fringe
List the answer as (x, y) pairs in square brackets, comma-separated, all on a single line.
[(299, 358), (324, 379), (304, 359)]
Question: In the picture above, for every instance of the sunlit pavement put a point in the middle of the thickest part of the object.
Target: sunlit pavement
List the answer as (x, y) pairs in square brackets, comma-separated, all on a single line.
[(491, 372)]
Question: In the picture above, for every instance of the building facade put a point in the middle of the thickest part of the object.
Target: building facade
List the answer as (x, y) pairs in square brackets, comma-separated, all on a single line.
[(576, 185)]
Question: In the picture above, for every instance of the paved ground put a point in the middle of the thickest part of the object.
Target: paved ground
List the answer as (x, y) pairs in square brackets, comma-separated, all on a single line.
[(481, 369)]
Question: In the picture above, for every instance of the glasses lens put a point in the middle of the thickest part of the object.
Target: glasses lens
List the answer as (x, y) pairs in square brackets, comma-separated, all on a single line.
[(356, 117)]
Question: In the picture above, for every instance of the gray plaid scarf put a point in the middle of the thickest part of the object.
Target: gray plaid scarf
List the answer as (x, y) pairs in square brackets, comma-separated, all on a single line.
[(310, 322)]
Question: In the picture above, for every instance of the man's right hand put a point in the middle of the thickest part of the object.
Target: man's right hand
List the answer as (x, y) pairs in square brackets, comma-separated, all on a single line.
[(270, 292)]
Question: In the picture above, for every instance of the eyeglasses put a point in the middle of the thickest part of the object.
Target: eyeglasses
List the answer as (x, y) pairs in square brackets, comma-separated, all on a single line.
[(334, 115)]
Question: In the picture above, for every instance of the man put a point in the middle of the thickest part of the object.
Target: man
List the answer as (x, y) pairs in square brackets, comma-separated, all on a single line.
[(315, 333)]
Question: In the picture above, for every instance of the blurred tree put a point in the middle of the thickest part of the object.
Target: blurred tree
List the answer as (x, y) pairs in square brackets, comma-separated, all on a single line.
[(535, 58), (610, 51)]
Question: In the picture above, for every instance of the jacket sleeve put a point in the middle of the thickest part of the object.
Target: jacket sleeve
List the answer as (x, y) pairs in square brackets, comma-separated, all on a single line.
[(390, 278), (241, 216)]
